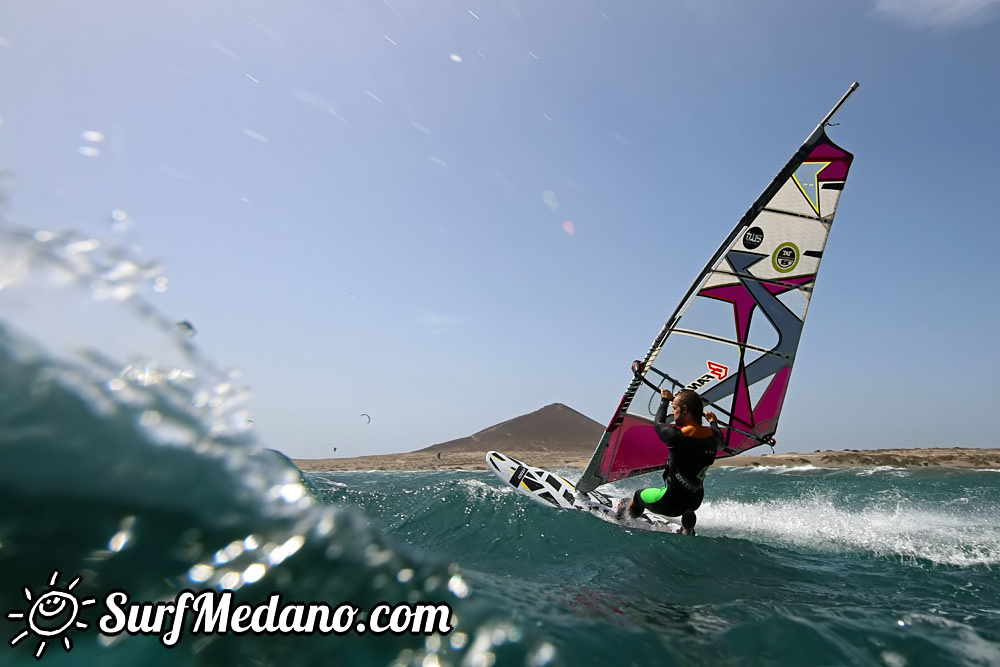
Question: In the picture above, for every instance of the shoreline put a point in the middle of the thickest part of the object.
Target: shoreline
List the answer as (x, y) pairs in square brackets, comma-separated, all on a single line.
[(937, 457)]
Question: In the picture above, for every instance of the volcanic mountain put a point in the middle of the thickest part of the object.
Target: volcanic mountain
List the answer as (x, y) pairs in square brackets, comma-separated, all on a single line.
[(553, 436), (554, 428)]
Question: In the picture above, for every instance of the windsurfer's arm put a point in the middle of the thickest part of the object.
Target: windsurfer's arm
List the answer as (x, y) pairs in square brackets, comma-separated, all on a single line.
[(664, 430), (666, 396), (713, 422)]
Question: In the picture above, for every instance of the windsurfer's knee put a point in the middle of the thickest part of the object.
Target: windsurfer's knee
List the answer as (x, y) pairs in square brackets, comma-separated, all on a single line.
[(651, 496), (636, 507)]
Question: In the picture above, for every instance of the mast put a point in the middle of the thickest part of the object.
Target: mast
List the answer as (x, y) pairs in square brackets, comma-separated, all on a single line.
[(836, 107)]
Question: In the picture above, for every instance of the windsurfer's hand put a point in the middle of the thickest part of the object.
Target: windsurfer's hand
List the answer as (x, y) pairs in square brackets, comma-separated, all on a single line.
[(666, 394), (710, 416)]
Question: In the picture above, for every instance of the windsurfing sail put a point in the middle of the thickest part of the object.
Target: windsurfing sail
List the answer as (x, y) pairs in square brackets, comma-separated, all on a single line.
[(734, 335)]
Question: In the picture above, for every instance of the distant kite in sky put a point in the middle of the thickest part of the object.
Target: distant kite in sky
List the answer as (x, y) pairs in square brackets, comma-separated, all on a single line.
[(366, 416), (186, 327)]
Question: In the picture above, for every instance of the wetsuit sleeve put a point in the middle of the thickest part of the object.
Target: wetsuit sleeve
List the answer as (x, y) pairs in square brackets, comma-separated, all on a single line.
[(667, 432), (720, 439)]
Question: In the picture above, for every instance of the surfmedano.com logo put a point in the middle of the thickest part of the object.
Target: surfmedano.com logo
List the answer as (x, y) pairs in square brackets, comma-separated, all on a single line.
[(51, 615), (54, 612)]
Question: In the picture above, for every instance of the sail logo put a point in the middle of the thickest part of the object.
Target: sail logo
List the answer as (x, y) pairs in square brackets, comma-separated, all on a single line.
[(716, 371), (785, 257), (753, 237)]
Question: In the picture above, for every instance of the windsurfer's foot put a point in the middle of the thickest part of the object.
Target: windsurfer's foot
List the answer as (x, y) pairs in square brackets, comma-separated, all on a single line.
[(687, 531), (621, 509)]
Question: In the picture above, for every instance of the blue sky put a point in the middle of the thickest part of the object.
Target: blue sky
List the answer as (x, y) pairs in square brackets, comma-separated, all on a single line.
[(448, 214)]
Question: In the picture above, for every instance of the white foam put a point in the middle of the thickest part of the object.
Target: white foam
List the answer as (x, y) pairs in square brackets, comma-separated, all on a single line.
[(824, 523), (868, 472), (767, 470), (480, 489)]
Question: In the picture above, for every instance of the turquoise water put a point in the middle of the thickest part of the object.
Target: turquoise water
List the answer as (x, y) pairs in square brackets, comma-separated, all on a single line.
[(120, 470), (791, 566)]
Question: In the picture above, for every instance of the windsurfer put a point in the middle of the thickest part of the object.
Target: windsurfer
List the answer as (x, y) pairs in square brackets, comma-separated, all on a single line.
[(692, 452)]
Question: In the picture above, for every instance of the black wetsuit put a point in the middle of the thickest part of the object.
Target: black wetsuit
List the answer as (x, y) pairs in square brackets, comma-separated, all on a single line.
[(692, 453)]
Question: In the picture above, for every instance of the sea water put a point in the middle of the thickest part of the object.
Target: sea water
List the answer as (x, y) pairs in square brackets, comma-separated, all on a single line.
[(132, 473)]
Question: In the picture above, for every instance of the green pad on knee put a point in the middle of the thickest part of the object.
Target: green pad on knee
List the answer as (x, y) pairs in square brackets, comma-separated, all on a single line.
[(650, 496)]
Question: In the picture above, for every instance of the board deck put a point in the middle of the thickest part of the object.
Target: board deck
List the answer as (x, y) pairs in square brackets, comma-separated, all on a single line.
[(554, 490)]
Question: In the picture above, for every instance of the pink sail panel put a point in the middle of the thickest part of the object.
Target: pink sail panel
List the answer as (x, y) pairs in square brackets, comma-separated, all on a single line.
[(633, 449)]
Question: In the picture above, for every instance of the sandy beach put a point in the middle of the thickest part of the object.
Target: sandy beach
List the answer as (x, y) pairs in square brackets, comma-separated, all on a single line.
[(556, 437), (849, 458)]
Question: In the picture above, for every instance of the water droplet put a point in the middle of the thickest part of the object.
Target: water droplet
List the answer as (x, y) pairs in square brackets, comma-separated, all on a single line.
[(119, 540), (231, 581), (549, 197), (457, 586), (150, 418), (285, 550), (254, 573), (200, 573)]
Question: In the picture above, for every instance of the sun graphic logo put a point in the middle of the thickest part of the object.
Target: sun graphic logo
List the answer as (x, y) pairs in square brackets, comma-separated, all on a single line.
[(51, 615)]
